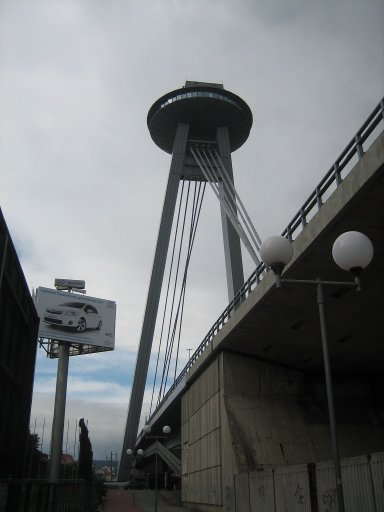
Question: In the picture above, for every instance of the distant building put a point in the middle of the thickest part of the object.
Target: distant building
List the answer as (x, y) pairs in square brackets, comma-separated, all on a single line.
[(67, 459), (18, 344)]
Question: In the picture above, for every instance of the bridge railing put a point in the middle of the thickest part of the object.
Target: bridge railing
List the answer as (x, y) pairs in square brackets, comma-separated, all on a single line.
[(333, 178), (335, 175)]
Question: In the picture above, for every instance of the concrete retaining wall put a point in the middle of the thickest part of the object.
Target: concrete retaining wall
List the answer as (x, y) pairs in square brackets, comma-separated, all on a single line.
[(200, 437), (311, 488), (243, 416)]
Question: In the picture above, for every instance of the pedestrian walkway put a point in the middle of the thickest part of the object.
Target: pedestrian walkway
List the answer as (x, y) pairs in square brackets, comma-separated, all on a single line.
[(119, 500)]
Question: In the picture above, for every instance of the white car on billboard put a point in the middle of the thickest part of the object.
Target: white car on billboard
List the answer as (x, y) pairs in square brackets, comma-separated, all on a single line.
[(74, 315)]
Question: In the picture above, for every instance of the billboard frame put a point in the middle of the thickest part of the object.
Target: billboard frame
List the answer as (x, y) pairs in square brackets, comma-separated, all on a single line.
[(52, 335)]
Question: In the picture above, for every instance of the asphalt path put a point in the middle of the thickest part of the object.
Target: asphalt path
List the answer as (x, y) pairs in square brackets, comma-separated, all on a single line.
[(120, 500)]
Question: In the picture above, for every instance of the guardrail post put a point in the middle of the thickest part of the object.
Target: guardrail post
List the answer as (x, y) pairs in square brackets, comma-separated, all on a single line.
[(318, 198), (359, 146), (336, 170), (303, 217)]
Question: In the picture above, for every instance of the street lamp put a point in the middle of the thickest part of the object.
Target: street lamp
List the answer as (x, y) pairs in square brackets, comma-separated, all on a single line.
[(166, 430), (139, 454), (352, 251)]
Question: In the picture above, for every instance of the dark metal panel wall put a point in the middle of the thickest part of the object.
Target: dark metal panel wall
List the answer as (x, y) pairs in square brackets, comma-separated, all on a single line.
[(18, 344)]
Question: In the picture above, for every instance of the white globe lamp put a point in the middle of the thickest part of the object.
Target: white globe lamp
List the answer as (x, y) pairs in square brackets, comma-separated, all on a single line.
[(352, 251), (147, 429), (276, 252)]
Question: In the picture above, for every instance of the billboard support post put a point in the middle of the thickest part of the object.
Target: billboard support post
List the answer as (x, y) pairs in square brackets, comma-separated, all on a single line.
[(59, 412), (73, 324)]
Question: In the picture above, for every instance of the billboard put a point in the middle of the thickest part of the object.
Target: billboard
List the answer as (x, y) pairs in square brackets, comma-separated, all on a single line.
[(69, 283), (76, 318)]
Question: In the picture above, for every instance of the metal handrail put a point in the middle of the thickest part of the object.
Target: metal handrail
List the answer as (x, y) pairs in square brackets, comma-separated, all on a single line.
[(313, 203)]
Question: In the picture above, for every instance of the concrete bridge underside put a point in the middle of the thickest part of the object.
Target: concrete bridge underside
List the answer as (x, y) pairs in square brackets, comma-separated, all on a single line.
[(256, 397)]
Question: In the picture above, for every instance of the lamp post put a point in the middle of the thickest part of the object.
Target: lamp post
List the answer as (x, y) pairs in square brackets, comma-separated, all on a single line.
[(166, 430), (139, 454), (352, 251)]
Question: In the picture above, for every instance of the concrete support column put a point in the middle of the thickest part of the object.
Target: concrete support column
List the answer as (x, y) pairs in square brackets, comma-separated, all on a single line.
[(59, 412), (232, 249)]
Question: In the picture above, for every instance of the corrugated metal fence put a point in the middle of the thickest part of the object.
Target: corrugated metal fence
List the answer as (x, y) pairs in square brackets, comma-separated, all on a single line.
[(45, 496), (311, 487)]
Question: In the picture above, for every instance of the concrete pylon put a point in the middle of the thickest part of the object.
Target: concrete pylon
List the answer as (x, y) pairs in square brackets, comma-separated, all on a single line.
[(199, 115)]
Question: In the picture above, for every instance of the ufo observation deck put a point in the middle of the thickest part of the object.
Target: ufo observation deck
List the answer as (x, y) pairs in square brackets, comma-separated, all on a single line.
[(204, 108)]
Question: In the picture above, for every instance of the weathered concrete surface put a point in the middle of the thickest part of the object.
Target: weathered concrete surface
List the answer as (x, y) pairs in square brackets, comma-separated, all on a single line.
[(278, 416), (201, 441), (244, 415)]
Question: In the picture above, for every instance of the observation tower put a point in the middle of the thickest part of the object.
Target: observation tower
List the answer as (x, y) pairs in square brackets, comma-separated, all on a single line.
[(204, 108), (200, 125)]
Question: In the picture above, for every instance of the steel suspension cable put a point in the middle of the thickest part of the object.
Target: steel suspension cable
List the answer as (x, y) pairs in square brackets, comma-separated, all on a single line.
[(169, 342), (207, 170), (194, 222), (179, 314), (175, 333), (167, 293), (232, 199), (252, 229)]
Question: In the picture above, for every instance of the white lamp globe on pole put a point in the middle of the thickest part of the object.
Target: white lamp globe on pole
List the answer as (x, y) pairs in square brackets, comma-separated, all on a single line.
[(276, 251), (352, 251), (166, 429), (147, 429), (139, 451)]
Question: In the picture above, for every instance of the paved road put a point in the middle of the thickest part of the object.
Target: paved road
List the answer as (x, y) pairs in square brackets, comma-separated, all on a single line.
[(119, 500)]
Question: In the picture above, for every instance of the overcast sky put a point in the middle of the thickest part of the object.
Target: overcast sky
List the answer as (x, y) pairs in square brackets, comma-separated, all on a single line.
[(82, 183)]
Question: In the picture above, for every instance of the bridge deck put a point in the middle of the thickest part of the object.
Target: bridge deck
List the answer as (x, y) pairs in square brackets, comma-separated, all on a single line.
[(282, 326)]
